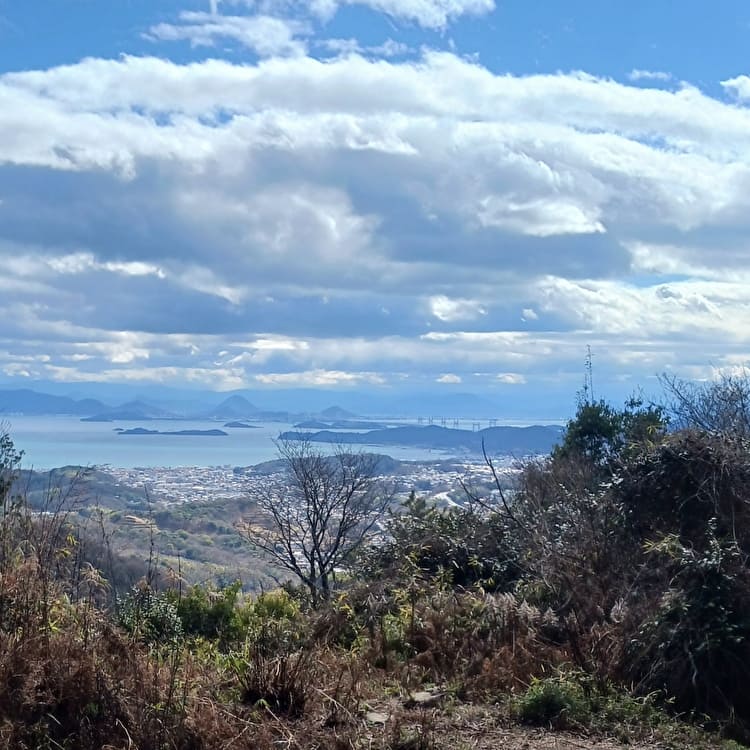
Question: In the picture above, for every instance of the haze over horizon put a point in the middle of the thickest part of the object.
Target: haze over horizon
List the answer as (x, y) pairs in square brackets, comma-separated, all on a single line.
[(385, 196)]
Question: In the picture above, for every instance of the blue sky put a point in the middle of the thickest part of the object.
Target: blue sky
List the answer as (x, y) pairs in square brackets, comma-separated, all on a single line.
[(393, 194), (692, 42)]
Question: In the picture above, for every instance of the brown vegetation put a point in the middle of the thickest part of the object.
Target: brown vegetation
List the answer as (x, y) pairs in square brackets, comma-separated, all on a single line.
[(606, 597)]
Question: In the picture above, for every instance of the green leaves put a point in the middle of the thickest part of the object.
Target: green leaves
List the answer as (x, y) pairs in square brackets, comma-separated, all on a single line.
[(601, 433)]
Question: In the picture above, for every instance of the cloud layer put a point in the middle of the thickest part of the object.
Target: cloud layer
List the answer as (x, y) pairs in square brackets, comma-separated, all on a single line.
[(359, 219)]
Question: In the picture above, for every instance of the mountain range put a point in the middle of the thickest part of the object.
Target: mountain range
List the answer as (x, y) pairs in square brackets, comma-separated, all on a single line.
[(31, 403), (283, 406), (554, 404)]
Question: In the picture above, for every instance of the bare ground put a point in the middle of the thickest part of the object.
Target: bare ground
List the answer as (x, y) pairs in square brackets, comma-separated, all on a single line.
[(472, 727)]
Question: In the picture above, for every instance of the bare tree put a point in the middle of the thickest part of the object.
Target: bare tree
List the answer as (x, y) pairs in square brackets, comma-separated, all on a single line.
[(318, 513), (721, 405)]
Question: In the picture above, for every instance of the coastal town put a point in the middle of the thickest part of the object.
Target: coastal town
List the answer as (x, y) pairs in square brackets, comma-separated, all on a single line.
[(441, 481)]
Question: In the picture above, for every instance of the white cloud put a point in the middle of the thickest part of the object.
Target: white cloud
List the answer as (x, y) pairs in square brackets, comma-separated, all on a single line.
[(205, 280), (649, 75), (15, 370), (276, 344), (701, 310), (448, 310), (738, 87), (82, 262), (538, 218), (124, 348), (511, 378), (389, 48), (265, 35), (432, 14), (215, 379), (274, 211), (319, 378), (449, 378)]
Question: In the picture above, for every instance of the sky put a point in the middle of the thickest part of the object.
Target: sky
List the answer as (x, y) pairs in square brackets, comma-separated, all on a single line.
[(435, 195)]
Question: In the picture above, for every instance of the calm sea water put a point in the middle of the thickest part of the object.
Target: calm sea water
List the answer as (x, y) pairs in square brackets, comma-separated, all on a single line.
[(49, 442)]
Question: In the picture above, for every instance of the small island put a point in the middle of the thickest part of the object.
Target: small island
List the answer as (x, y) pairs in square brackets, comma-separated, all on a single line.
[(185, 433), (242, 425)]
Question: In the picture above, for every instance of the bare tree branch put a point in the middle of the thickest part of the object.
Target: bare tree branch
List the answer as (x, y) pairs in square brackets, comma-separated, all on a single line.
[(722, 405), (313, 517)]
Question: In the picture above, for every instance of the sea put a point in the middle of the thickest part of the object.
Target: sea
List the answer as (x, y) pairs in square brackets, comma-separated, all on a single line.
[(54, 441)]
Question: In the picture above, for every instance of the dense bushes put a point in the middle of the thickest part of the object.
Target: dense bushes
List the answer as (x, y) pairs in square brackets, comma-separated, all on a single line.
[(694, 645), (463, 545), (640, 545)]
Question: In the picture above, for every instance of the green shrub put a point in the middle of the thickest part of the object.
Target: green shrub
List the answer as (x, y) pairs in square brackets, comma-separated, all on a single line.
[(211, 614), (150, 616), (559, 702), (275, 666), (466, 546), (276, 605), (696, 645)]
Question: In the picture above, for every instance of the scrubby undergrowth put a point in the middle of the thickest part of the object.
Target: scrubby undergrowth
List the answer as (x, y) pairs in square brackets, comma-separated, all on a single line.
[(606, 597)]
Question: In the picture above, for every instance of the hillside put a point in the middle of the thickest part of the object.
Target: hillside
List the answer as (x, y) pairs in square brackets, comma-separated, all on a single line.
[(234, 407), (598, 597), (131, 411), (24, 401)]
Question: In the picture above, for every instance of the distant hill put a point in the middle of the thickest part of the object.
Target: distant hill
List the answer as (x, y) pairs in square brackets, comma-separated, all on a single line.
[(132, 411), (234, 407), (25, 401), (497, 440)]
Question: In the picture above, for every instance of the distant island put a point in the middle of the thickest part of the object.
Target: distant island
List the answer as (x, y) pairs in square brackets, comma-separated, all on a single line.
[(185, 433), (344, 424), (296, 405), (242, 425), (537, 439), (25, 401)]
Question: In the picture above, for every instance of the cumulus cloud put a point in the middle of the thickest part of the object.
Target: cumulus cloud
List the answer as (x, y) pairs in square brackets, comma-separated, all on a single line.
[(449, 310), (298, 221), (738, 87)]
